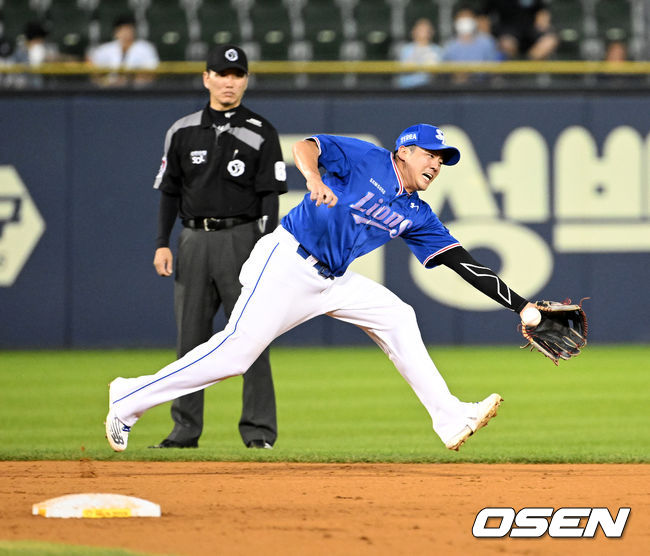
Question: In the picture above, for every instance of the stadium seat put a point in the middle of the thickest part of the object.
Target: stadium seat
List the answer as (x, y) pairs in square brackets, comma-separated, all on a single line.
[(415, 9), (323, 25), (168, 29), (614, 19), (639, 42), (398, 28), (69, 24), (271, 29), (373, 23), (105, 14), (14, 14), (219, 23), (567, 17)]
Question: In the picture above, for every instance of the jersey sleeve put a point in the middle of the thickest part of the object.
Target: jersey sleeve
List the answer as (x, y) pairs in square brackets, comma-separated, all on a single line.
[(272, 173), (169, 175), (429, 239), (338, 155)]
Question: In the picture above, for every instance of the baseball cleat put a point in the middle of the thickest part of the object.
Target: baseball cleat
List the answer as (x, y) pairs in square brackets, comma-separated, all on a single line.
[(485, 411), (117, 433)]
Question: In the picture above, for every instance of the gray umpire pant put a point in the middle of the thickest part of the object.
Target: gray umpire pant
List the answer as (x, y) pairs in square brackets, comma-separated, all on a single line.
[(206, 277)]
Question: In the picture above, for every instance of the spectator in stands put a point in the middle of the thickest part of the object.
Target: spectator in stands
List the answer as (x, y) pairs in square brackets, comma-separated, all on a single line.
[(422, 50), (125, 51), (616, 52), (6, 49), (33, 49), (469, 43), (522, 27)]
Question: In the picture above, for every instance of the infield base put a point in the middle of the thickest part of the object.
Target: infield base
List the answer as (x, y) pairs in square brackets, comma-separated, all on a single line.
[(96, 505)]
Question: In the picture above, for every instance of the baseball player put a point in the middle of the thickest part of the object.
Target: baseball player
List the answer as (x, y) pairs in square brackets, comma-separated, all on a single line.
[(367, 196)]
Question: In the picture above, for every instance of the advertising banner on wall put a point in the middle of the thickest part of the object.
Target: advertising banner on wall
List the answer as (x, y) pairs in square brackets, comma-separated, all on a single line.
[(552, 192)]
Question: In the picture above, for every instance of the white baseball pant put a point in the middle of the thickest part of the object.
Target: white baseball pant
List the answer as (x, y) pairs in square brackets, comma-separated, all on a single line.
[(282, 290)]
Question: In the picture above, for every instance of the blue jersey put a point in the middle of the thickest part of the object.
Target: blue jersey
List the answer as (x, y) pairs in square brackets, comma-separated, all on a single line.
[(373, 207)]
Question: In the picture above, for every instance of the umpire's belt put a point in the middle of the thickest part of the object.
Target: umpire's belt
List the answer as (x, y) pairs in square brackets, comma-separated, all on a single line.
[(214, 224), (324, 270)]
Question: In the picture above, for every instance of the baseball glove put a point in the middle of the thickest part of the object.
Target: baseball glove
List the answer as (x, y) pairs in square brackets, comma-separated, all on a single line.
[(561, 332)]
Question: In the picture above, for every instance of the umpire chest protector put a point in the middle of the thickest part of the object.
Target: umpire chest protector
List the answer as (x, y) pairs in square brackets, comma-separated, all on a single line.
[(219, 170)]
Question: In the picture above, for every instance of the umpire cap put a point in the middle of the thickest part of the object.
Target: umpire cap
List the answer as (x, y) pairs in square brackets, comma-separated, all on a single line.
[(226, 56), (428, 137)]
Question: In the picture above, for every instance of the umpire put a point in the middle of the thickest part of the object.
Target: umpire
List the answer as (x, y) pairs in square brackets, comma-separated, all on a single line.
[(222, 172)]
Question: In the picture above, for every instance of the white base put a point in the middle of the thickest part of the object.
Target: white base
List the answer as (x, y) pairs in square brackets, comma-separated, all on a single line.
[(94, 505)]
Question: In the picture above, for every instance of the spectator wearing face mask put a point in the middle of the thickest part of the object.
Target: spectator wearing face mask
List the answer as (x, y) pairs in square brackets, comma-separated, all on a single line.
[(32, 49), (469, 43)]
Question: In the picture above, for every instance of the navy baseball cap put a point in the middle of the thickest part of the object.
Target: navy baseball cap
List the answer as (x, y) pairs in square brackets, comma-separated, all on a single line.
[(226, 56), (428, 137)]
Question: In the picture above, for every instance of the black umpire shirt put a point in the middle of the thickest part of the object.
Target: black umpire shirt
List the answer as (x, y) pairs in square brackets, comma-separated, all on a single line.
[(220, 165)]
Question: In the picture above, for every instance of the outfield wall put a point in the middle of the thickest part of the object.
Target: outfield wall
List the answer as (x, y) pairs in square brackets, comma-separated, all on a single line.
[(553, 192)]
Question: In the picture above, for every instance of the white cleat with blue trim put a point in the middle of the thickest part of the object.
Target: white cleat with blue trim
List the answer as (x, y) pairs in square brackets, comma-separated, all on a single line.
[(117, 433)]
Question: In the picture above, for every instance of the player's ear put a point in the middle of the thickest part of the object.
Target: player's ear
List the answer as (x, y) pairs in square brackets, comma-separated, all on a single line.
[(206, 74), (401, 152)]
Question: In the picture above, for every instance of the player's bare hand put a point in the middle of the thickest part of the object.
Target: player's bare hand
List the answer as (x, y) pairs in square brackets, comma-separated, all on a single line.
[(322, 195), (163, 261)]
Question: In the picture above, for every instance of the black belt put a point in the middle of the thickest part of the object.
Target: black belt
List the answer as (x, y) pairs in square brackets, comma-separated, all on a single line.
[(324, 270), (214, 224)]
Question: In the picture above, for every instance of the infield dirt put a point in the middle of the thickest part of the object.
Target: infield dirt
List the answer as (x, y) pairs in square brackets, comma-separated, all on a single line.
[(322, 509)]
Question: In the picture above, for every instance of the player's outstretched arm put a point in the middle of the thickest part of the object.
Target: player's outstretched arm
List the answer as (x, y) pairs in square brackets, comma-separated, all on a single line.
[(305, 155), (482, 278), (557, 330)]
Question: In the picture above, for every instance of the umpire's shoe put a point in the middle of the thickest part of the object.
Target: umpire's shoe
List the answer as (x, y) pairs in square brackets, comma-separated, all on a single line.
[(167, 443), (486, 409), (259, 444)]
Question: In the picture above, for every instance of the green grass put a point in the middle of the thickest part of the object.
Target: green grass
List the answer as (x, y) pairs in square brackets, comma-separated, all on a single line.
[(30, 548), (344, 405)]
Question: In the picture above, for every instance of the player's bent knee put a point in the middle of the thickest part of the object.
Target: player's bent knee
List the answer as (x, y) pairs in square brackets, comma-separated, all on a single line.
[(250, 350), (406, 315)]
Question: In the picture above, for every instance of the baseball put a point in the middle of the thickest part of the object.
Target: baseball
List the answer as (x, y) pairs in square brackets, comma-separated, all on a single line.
[(531, 316)]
